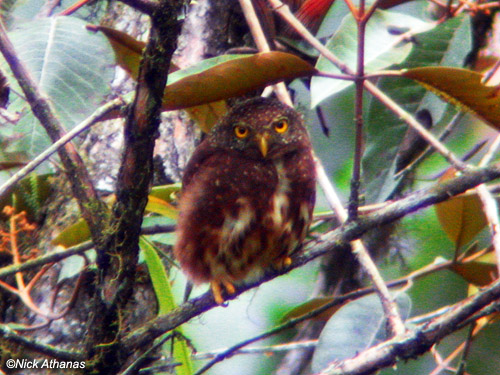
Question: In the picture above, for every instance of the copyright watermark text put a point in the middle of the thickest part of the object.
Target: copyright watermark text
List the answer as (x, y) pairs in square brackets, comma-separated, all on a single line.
[(43, 364)]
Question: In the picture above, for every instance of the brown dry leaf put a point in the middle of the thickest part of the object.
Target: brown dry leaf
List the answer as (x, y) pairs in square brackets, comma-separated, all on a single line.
[(480, 271), (461, 217), (312, 305), (207, 115), (233, 78), (128, 50), (463, 88)]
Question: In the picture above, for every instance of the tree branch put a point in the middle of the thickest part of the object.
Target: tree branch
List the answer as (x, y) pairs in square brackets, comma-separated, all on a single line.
[(8, 334), (330, 241), (118, 264), (93, 210), (419, 340), (68, 137)]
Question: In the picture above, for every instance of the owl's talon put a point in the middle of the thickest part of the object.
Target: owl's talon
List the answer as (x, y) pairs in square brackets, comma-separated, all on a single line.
[(282, 262), (217, 292), (229, 287), (216, 287)]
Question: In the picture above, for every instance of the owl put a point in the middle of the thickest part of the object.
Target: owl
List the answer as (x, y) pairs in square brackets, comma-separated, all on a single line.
[(247, 197)]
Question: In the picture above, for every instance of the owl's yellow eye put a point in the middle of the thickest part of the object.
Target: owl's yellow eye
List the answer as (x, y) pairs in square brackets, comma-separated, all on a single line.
[(281, 126), (240, 131)]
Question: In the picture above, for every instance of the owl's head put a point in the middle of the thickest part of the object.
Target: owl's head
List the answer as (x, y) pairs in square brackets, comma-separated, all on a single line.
[(261, 128)]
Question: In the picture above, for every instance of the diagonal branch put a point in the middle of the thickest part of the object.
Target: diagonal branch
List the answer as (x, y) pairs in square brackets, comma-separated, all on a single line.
[(84, 125), (330, 241), (419, 340), (9, 334), (92, 208)]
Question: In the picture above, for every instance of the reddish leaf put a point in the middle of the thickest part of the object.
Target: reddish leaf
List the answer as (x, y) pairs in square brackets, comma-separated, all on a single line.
[(386, 4), (128, 51), (207, 115), (312, 305), (479, 272), (233, 78), (461, 217)]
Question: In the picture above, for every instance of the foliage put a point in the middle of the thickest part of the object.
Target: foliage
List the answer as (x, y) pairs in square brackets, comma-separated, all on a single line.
[(375, 70)]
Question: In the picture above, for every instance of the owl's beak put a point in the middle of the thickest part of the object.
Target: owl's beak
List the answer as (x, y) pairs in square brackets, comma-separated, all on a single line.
[(262, 143)]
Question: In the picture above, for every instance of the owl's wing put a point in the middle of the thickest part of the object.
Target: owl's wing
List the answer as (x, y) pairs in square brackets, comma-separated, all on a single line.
[(200, 155)]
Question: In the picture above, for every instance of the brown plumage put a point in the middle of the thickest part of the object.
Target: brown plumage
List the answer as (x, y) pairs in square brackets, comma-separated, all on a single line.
[(248, 195)]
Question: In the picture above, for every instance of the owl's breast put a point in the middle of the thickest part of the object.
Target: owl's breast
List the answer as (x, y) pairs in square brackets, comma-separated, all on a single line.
[(289, 212), (239, 218)]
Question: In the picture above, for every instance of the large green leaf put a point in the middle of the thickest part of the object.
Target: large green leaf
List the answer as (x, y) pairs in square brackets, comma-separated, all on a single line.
[(448, 43), (72, 67), (166, 303), (383, 48)]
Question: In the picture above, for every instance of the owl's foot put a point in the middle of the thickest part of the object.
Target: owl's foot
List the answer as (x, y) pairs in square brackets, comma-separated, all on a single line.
[(216, 287), (282, 262)]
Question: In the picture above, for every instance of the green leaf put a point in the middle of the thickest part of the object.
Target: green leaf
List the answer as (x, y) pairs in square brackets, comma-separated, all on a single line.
[(355, 327), (165, 192), (73, 235), (382, 49), (160, 198), (161, 207), (72, 67), (449, 43), (28, 195), (166, 303)]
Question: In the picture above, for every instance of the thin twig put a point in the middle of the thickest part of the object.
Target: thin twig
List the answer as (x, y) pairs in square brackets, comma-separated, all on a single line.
[(285, 13), (8, 334), (260, 350), (134, 366), (490, 206), (429, 150), (352, 209), (490, 209), (343, 76), (60, 254), (389, 306), (329, 241), (262, 45), (84, 125), (490, 153), (410, 120)]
